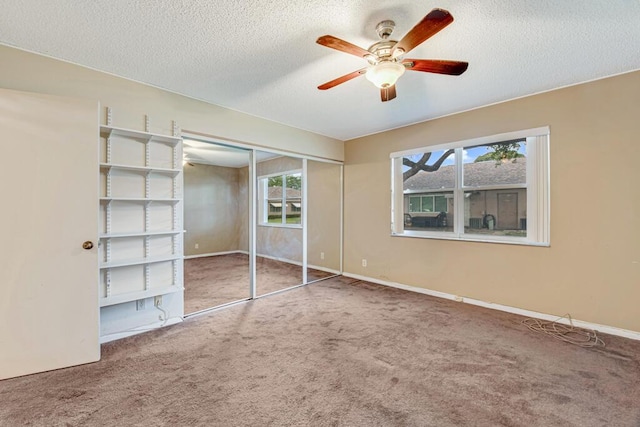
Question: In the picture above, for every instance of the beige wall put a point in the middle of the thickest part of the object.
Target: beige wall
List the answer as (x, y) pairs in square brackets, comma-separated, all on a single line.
[(591, 270), (130, 101), (323, 218), (211, 209)]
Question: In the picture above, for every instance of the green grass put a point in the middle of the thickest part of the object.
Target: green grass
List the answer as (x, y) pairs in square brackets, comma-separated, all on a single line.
[(290, 220)]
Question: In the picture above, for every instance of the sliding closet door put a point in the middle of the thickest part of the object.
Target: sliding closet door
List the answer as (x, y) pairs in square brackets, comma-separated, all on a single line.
[(324, 218), (216, 222), (48, 257), (279, 234)]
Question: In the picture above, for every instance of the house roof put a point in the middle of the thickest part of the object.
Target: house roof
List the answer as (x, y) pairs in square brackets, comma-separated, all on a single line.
[(476, 174), (276, 193), (261, 57)]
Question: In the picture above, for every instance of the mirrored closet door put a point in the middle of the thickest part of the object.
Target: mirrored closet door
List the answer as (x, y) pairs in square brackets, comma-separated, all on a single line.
[(278, 222), (216, 223)]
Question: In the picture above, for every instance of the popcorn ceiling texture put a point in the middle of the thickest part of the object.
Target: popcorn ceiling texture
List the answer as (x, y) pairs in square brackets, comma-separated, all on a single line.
[(260, 56)]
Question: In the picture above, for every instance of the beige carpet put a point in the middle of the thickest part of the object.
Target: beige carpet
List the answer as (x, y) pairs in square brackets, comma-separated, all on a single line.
[(337, 353), (216, 280)]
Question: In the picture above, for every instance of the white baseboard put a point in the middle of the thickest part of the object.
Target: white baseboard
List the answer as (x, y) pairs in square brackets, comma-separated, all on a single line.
[(611, 330), (213, 254), (139, 330)]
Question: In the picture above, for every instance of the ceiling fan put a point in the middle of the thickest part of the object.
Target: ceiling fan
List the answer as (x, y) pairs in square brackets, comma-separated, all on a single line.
[(386, 56)]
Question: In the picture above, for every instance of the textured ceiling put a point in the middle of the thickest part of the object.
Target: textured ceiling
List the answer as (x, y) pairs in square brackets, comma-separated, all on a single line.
[(219, 155), (260, 56)]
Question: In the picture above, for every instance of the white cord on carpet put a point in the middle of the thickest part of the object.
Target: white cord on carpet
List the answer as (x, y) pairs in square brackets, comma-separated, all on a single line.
[(580, 337)]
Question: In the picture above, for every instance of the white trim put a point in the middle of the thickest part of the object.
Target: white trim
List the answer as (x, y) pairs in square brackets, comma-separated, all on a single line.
[(216, 308), (611, 330), (139, 330), (303, 220), (280, 225), (463, 143), (212, 254), (287, 172), (187, 134), (341, 219), (469, 237), (253, 222)]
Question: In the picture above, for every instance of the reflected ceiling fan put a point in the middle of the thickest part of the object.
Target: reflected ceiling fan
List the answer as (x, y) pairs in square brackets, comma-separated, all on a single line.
[(386, 56)]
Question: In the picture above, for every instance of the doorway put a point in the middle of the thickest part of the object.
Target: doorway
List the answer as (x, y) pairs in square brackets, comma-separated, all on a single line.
[(507, 211)]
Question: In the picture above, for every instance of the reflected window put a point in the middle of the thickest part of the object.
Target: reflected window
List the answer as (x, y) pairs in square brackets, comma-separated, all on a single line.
[(283, 190)]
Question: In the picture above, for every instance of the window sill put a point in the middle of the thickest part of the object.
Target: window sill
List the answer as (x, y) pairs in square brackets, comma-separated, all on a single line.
[(295, 226), (467, 238)]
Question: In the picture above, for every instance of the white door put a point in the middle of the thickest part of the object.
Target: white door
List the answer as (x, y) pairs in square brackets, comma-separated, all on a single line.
[(49, 314)]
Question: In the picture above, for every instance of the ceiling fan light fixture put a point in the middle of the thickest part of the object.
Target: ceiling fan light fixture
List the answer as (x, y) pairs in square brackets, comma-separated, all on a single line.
[(385, 74)]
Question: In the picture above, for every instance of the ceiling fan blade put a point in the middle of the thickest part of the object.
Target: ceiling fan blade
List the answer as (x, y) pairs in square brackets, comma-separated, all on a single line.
[(342, 79), (342, 46), (388, 93), (435, 21), (454, 68)]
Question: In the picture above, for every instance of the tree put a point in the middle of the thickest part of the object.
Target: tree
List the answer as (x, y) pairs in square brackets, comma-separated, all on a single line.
[(293, 181), (501, 152), (421, 165)]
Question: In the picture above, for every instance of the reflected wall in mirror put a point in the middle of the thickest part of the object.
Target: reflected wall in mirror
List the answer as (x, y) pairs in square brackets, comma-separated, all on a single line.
[(216, 266)]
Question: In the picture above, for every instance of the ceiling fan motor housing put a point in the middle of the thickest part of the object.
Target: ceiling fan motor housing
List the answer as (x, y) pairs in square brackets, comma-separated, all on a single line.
[(382, 49), (385, 28)]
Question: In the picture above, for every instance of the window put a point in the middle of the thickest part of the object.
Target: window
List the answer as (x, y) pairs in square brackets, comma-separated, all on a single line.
[(276, 191), (488, 189), (430, 203)]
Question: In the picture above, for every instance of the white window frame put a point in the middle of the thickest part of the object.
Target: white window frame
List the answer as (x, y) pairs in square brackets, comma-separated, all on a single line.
[(263, 197), (537, 186)]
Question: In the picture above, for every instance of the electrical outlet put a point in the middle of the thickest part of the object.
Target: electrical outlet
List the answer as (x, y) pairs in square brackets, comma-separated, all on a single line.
[(140, 304), (321, 255), (197, 245), (364, 262), (157, 300)]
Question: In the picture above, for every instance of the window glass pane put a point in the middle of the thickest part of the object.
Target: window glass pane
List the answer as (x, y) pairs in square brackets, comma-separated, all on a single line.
[(496, 212), (294, 194), (440, 204), (274, 199), (439, 220), (427, 204), (294, 208), (414, 204), (495, 164), (428, 171)]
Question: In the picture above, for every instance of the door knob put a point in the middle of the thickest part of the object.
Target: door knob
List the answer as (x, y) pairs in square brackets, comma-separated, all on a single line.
[(87, 245)]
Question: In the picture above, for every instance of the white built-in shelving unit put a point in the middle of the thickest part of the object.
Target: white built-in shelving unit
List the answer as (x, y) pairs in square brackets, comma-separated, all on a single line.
[(141, 214)]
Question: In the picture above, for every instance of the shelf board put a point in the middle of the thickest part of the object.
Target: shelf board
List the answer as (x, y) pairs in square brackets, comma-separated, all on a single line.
[(136, 199), (139, 261), (164, 171), (140, 234), (130, 133), (134, 296)]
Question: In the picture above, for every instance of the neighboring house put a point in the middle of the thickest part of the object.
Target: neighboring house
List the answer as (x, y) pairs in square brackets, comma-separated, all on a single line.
[(428, 194), (293, 201)]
